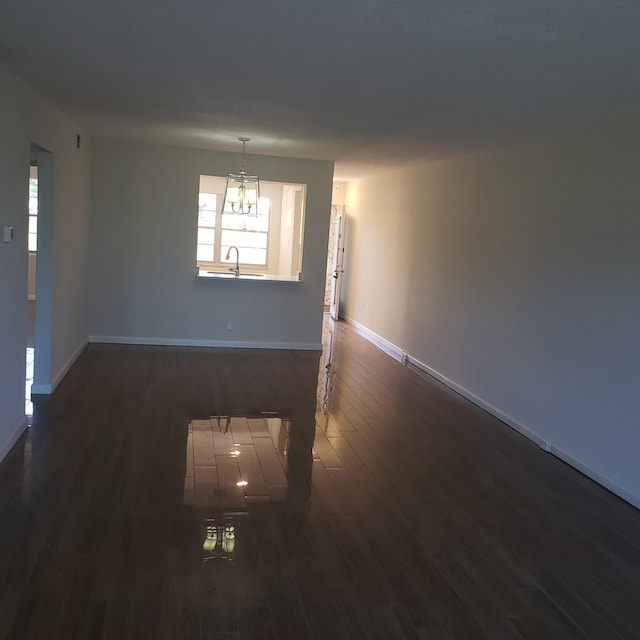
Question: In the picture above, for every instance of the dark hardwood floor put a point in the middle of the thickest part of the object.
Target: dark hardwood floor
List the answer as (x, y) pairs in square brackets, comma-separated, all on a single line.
[(204, 493)]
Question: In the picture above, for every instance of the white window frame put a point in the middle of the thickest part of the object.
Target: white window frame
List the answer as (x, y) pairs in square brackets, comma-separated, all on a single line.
[(32, 229)]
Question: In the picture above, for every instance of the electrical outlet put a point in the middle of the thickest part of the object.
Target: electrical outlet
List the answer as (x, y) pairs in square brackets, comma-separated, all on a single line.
[(228, 325)]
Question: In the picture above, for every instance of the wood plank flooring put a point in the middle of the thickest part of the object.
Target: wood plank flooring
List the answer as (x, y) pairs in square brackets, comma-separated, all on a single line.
[(373, 503)]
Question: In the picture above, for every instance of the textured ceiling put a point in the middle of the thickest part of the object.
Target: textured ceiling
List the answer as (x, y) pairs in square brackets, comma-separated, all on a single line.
[(360, 82)]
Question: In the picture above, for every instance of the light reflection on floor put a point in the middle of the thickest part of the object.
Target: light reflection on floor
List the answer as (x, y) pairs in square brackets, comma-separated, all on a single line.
[(28, 405)]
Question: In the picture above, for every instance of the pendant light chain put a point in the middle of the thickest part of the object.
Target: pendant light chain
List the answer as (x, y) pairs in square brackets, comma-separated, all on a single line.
[(242, 192)]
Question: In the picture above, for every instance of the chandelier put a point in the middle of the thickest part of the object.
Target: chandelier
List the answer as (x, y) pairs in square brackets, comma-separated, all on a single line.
[(241, 192)]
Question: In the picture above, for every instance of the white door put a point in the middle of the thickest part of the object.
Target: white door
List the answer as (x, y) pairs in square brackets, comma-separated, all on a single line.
[(338, 262)]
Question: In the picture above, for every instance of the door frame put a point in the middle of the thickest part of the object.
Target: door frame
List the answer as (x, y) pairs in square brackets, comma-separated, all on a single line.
[(338, 266), (44, 271)]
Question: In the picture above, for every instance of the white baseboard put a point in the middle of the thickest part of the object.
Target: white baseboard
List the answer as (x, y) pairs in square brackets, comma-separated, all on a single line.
[(489, 408), (46, 389), (595, 476), (180, 342), (41, 389), (398, 354), (8, 444), (388, 347)]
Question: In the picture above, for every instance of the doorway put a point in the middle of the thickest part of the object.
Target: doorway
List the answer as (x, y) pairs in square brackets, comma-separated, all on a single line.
[(40, 274), (32, 248), (335, 262)]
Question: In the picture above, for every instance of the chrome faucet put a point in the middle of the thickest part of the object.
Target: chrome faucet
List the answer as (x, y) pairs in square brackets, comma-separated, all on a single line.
[(235, 269)]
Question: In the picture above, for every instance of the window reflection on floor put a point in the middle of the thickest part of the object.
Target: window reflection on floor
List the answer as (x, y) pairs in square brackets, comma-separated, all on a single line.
[(28, 407), (233, 461)]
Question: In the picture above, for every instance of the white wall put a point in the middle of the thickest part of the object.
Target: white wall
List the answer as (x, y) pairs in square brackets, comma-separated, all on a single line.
[(26, 118), (143, 238), (287, 220), (515, 276)]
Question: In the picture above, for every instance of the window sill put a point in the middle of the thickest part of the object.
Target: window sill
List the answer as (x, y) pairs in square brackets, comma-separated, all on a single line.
[(255, 277)]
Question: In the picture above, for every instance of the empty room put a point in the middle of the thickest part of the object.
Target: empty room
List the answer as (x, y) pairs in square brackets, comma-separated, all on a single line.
[(319, 320)]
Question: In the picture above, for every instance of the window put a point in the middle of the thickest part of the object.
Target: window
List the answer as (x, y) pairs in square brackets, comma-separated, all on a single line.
[(207, 227), (269, 242), (33, 209), (250, 234)]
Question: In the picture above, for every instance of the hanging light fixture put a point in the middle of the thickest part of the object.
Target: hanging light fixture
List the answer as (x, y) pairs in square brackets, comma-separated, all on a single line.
[(241, 192)]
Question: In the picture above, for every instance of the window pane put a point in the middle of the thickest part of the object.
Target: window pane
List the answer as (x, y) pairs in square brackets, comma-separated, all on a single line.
[(244, 239), (249, 223), (206, 236), (205, 253), (208, 201), (244, 223), (231, 221), (206, 218), (255, 256), (207, 210), (32, 237), (247, 256)]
